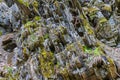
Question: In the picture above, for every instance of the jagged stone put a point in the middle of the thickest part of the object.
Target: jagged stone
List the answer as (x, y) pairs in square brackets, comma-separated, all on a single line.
[(9, 17), (63, 40)]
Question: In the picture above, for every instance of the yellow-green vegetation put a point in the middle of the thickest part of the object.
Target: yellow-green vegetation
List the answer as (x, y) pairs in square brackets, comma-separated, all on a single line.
[(93, 10), (34, 41), (9, 72), (37, 18), (70, 47), (86, 25), (30, 24), (65, 73), (47, 63), (25, 52), (97, 51), (111, 68), (28, 2), (1, 0), (32, 31), (30, 27), (30, 6), (102, 20), (56, 4), (107, 7), (0, 33), (35, 4), (33, 24), (63, 30), (46, 36), (23, 2), (61, 42)]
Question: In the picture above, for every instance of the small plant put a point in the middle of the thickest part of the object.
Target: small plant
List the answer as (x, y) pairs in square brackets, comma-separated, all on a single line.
[(37, 18), (0, 0), (87, 50), (96, 51), (47, 65), (0, 33), (46, 36), (23, 2), (8, 69)]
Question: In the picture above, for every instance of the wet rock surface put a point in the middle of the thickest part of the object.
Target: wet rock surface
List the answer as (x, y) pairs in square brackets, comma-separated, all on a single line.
[(60, 40)]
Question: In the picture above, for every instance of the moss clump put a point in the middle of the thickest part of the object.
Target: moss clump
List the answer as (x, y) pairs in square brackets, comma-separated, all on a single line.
[(0, 33), (47, 63), (86, 25), (37, 18), (35, 4), (46, 36), (30, 24), (96, 51), (23, 2)]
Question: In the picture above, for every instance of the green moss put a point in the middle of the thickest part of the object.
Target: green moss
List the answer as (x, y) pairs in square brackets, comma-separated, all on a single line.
[(46, 36), (27, 3), (37, 18), (87, 50), (33, 38), (102, 20), (93, 10), (70, 47), (86, 25), (34, 41), (1, 0), (9, 69), (30, 24), (47, 63), (107, 7), (35, 4), (97, 51), (63, 30), (65, 73), (23, 2), (0, 33), (9, 73)]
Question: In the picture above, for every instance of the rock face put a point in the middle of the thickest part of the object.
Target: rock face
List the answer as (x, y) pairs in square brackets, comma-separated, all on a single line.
[(64, 40), (9, 17), (5, 56)]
